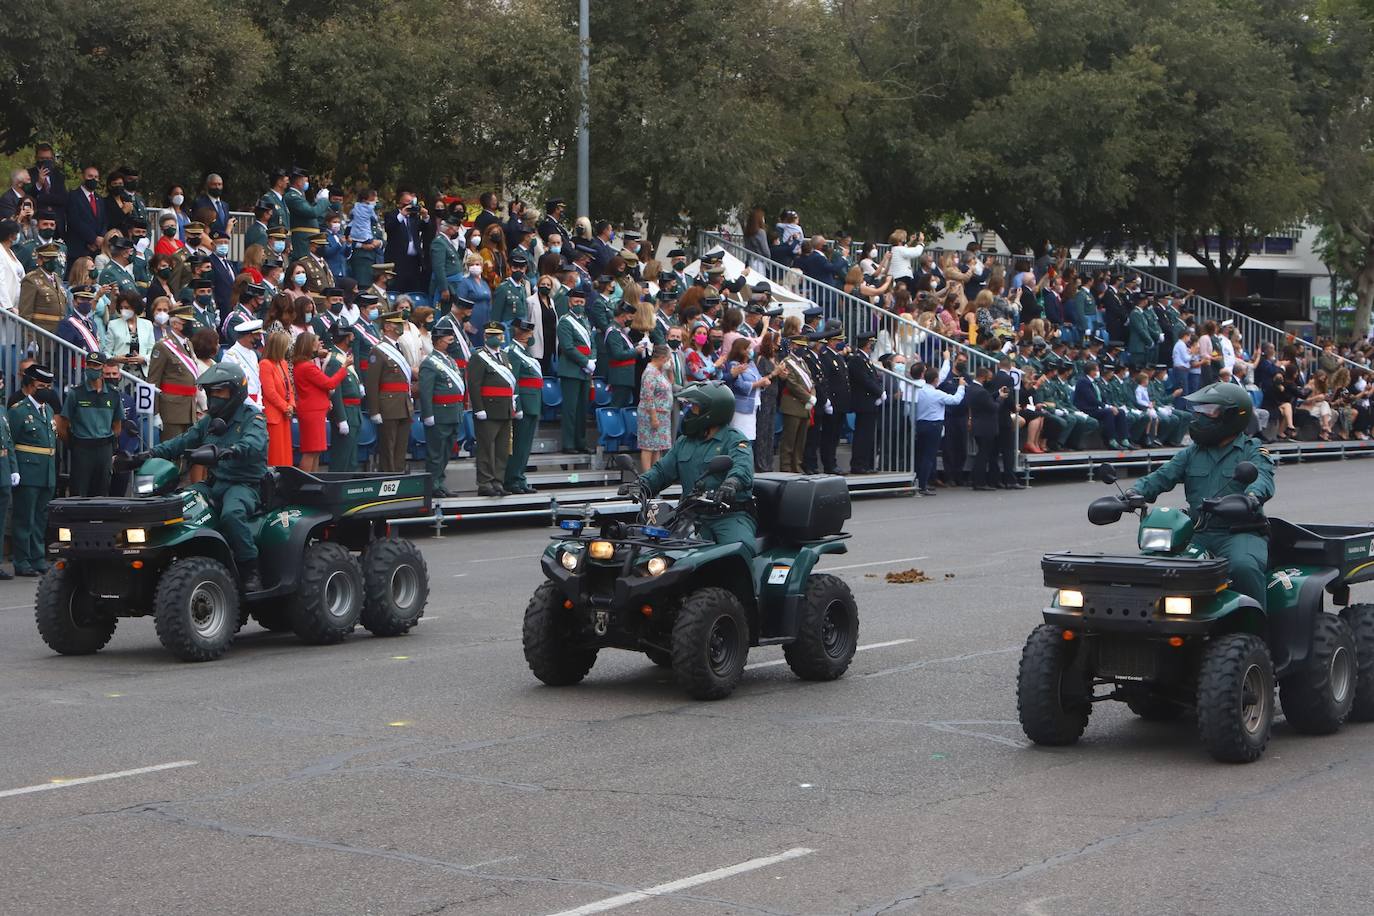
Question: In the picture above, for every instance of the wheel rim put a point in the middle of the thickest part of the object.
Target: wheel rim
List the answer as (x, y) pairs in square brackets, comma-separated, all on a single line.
[(209, 608), (722, 646), (339, 594), (1342, 674), (405, 586), (835, 629), (1254, 700)]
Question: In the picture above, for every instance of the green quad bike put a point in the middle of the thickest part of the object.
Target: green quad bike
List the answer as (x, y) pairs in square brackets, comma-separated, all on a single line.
[(158, 553), (1163, 632), (648, 583)]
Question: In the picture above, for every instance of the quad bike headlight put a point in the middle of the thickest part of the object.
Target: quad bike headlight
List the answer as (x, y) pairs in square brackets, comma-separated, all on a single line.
[(1180, 605), (1070, 598), (569, 560), (656, 566), (601, 550), (1156, 539), (135, 536), (64, 535)]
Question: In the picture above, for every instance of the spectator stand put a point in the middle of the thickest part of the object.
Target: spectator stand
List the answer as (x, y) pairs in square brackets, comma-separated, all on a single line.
[(1148, 459)]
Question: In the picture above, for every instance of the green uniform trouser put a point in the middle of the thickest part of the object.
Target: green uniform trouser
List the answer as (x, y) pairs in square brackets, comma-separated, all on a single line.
[(493, 451), (521, 443), (4, 507), (1248, 555), (89, 474), (360, 266), (30, 526), (1057, 428), (572, 414), (730, 528), (343, 450), (236, 502), (439, 442)]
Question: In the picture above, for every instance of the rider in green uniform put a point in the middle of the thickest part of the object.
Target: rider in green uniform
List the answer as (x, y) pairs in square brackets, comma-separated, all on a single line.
[(239, 431), (706, 433), (1206, 469)]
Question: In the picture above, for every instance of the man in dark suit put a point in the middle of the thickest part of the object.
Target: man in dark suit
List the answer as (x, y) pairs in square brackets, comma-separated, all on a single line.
[(867, 396), (1115, 310), (48, 187), (9, 201), (602, 243), (87, 218), (406, 240), (552, 221), (985, 405), (1007, 378), (488, 216), (954, 444), (212, 199), (222, 271)]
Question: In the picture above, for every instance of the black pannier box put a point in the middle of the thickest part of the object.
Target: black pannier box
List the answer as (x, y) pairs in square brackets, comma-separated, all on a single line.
[(801, 508), (1176, 575)]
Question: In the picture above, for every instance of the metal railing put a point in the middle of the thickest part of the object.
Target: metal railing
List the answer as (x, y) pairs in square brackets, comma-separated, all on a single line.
[(896, 334)]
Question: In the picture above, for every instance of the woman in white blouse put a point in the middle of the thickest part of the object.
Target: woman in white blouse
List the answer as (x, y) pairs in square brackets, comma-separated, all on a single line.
[(129, 336), (11, 270)]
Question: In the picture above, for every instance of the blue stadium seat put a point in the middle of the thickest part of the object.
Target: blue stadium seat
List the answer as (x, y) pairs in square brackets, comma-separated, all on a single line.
[(367, 440), (467, 431), (630, 417), (610, 427), (553, 399), (417, 448), (601, 392)]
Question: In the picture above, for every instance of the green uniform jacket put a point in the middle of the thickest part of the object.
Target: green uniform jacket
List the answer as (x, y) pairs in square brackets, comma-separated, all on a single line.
[(243, 445), (560, 303), (686, 461), (1161, 393), (509, 300), (526, 367), (304, 215), (1208, 471), (92, 414), (620, 359), (32, 428), (487, 390), (440, 377), (256, 235), (571, 344), (280, 216), (599, 313), (9, 463), (350, 389), (444, 261), (113, 273)]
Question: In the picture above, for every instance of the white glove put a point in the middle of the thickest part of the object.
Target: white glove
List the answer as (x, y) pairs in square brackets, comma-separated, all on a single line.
[(343, 427), (883, 398), (157, 421), (1161, 338), (376, 419), (811, 403), (14, 478), (481, 415), (429, 421), (519, 415), (591, 366), (829, 408), (878, 402), (321, 194)]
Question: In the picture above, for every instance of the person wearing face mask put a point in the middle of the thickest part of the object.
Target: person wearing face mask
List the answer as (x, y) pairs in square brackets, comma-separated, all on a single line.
[(510, 299), (443, 389), (87, 213), (42, 297), (48, 186), (304, 215), (312, 263), (619, 351), (79, 328), (212, 198), (475, 289), (247, 336), (119, 271), (222, 271), (329, 314), (345, 401), (491, 393), (167, 229), (197, 241), (35, 445), (274, 198), (445, 257), (576, 365), (129, 338), (387, 386), (336, 246), (9, 466), (91, 418), (172, 367), (46, 224), (382, 274)]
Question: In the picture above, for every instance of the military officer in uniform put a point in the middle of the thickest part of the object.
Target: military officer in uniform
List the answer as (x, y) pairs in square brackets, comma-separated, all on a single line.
[(706, 433), (41, 297), (443, 389), (328, 313), (174, 370), (78, 328), (317, 273), (510, 299), (365, 333), (868, 396), (9, 466), (91, 419), (1143, 334), (278, 243), (837, 381), (576, 363), (529, 389), (345, 401), (796, 399), (119, 269), (305, 216), (274, 199), (386, 388), (811, 358), (1206, 468), (382, 272), (35, 445), (491, 392), (620, 357), (240, 466), (445, 258), (256, 234)]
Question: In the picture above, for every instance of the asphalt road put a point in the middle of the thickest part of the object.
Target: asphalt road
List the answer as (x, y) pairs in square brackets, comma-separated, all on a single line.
[(433, 774)]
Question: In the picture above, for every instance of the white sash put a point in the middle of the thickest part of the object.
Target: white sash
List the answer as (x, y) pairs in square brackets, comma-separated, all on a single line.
[(451, 371), (517, 352), (250, 369), (181, 355), (91, 343), (495, 363), (581, 331), (463, 345), (801, 370), (391, 353)]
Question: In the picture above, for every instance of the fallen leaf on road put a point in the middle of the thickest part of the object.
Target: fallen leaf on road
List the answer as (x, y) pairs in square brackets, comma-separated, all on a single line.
[(907, 576)]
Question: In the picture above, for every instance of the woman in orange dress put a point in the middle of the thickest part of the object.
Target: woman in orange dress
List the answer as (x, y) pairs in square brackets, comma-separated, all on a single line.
[(278, 398)]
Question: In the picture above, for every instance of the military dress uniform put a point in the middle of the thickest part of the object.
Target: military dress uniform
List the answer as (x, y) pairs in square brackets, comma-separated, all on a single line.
[(576, 363), (304, 221), (509, 301), (35, 445), (386, 389), (620, 363), (281, 217), (93, 420), (445, 261), (491, 392), (120, 275), (867, 386), (256, 234), (796, 399), (318, 276), (442, 392), (832, 423), (1142, 338), (529, 388), (9, 466), (173, 369), (41, 297), (811, 452), (345, 407)]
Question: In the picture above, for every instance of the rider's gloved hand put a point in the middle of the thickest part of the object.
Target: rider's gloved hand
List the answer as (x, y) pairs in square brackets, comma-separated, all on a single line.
[(1253, 503), (1134, 499), (726, 492), (634, 489)]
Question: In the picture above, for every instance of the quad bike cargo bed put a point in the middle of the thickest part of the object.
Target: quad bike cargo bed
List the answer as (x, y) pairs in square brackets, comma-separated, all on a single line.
[(1349, 548), (356, 496)]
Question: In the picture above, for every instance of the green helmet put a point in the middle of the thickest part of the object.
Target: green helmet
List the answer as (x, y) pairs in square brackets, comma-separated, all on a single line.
[(711, 405), (1219, 411), (224, 375)]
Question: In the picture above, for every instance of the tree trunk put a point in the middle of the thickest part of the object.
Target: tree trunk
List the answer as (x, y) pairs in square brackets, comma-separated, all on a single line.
[(1364, 299)]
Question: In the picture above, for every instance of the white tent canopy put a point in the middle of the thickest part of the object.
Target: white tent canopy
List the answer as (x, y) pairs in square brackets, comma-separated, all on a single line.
[(792, 303)]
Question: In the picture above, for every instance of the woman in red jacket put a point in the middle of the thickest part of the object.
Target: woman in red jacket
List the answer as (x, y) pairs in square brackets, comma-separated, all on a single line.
[(278, 398), (312, 395)]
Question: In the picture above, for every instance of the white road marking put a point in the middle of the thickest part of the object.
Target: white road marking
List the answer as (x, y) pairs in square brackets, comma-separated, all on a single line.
[(528, 556), (83, 780), (876, 563), (16, 607), (611, 903), (459, 575), (875, 645)]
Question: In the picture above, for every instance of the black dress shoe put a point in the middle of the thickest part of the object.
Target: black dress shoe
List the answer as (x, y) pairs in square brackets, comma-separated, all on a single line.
[(4, 575), (487, 491)]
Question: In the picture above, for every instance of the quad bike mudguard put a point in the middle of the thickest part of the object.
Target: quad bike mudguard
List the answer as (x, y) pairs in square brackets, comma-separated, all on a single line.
[(780, 577)]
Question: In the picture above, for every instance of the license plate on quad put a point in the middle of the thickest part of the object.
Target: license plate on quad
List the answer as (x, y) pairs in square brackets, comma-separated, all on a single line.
[(1126, 659)]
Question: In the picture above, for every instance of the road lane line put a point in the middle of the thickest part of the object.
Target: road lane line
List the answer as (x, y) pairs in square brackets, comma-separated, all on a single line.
[(83, 780), (16, 607), (611, 903), (875, 563), (875, 645)]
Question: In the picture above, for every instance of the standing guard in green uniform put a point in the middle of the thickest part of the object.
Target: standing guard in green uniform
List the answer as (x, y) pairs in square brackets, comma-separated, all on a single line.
[(491, 392), (576, 363), (35, 444), (1143, 334), (304, 220), (442, 392), (600, 311), (239, 431), (275, 199), (89, 424), (620, 357), (706, 433), (1220, 413), (529, 391), (445, 260), (9, 467), (510, 299), (256, 234), (119, 269), (345, 401), (1172, 423)]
